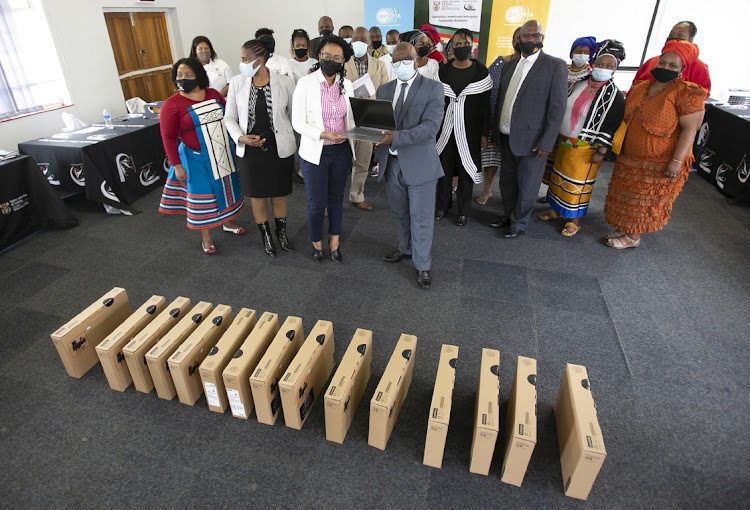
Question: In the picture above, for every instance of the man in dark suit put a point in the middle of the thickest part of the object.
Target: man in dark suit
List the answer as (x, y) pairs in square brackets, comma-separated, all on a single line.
[(325, 28), (530, 107), (409, 161)]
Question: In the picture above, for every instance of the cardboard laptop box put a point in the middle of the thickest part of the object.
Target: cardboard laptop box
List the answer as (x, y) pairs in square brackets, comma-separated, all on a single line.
[(307, 374), (135, 351), (348, 385), (521, 426), (264, 383), (219, 356), (391, 392), (440, 410), (110, 350), (184, 363), (582, 451), (237, 373), (164, 348), (486, 413), (76, 341)]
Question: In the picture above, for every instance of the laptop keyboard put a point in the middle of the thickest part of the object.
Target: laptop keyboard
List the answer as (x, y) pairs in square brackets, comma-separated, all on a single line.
[(368, 132)]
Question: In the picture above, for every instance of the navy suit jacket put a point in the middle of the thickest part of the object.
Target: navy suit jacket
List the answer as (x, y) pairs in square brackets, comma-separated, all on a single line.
[(539, 107), (416, 130)]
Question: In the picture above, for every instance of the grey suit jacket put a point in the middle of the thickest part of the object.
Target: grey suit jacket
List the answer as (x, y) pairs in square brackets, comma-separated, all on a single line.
[(539, 107), (416, 130)]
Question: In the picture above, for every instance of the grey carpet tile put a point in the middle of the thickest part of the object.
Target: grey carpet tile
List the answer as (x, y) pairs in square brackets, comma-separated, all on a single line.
[(10, 263), (565, 292), (28, 281), (22, 328), (494, 281)]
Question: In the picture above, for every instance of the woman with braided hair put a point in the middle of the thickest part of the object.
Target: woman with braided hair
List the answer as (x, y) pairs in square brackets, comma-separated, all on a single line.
[(322, 115)]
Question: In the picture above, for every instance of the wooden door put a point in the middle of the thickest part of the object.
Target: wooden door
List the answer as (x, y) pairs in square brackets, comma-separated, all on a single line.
[(140, 43)]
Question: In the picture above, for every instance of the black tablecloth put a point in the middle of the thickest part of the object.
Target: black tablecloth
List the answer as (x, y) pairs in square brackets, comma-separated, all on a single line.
[(722, 146), (27, 202), (113, 166)]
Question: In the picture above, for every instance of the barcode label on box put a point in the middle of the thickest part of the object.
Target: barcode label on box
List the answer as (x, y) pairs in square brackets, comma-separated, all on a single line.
[(235, 402), (211, 394)]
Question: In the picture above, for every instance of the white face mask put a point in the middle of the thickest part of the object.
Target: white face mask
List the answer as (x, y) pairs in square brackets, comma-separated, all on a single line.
[(601, 74), (247, 69), (580, 60), (348, 40), (390, 47), (359, 48), (404, 69)]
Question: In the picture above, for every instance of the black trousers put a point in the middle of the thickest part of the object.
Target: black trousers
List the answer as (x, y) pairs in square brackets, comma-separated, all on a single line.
[(451, 161)]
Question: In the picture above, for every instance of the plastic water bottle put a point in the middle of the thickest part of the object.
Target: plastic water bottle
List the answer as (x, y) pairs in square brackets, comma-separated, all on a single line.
[(107, 119)]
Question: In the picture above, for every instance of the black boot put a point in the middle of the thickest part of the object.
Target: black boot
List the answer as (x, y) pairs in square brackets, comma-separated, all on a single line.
[(265, 234), (281, 234)]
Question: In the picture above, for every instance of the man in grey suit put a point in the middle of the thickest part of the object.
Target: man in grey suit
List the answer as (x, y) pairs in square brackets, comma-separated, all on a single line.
[(409, 161), (530, 104)]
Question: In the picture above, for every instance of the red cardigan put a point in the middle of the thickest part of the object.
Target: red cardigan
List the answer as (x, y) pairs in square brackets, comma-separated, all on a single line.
[(174, 122)]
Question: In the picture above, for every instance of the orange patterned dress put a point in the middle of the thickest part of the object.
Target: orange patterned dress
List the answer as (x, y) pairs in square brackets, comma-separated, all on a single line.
[(640, 197)]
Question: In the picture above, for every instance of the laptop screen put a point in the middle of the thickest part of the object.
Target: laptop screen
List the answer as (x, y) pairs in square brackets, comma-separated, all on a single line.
[(373, 113)]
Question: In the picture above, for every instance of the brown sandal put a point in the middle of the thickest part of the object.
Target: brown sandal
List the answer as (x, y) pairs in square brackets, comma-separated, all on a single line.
[(617, 243), (549, 215)]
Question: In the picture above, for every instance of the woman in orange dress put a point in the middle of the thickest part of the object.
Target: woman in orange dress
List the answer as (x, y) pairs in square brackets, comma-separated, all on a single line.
[(663, 115)]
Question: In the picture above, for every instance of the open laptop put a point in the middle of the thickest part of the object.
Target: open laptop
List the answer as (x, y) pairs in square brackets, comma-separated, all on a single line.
[(371, 118)]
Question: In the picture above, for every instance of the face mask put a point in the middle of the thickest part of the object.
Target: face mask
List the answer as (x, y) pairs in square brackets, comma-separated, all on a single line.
[(186, 86), (390, 47), (204, 56), (377, 44), (348, 40), (404, 69), (300, 52), (516, 47), (423, 51), (462, 53), (529, 47), (247, 70), (580, 60), (664, 75), (329, 67), (599, 74), (325, 33), (360, 49)]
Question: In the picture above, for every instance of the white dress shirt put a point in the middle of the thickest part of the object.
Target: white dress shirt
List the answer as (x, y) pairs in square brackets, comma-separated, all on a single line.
[(399, 85), (219, 74), (279, 65), (505, 128)]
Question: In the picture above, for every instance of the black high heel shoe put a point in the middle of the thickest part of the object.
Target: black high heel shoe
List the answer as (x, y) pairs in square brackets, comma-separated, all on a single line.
[(318, 255), (265, 234), (281, 234), (335, 254)]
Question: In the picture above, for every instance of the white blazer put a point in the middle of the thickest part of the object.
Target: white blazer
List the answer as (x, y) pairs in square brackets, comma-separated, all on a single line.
[(236, 114), (307, 115)]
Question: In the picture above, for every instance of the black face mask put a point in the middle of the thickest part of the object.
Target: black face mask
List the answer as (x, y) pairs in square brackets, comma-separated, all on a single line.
[(377, 44), (325, 33), (664, 75), (186, 86), (528, 47), (423, 51), (462, 53), (300, 52), (516, 48), (330, 68)]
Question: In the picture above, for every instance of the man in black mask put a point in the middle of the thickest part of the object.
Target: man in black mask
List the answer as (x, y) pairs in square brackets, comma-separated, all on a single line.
[(530, 105), (325, 28)]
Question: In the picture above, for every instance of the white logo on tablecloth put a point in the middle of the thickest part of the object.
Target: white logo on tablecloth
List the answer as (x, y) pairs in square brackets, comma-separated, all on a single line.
[(735, 107), (706, 160), (166, 164), (721, 174), (44, 167), (76, 173), (107, 192), (5, 208), (742, 171), (518, 14), (703, 133), (148, 176), (125, 165)]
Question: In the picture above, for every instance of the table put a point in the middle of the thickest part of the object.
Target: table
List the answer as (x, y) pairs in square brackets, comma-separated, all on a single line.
[(721, 149), (27, 202), (112, 166)]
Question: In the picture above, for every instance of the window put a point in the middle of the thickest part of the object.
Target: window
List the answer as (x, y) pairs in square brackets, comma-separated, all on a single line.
[(31, 78)]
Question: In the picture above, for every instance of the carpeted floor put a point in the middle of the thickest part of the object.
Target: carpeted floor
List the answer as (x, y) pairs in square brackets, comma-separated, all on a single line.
[(662, 329)]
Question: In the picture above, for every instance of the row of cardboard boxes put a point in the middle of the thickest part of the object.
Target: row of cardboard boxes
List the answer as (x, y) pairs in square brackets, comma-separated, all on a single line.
[(249, 363)]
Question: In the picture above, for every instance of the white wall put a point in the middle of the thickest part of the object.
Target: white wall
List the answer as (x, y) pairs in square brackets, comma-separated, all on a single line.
[(82, 41)]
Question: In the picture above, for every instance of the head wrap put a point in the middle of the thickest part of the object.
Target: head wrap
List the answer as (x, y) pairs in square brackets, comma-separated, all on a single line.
[(430, 31), (611, 47), (589, 42), (416, 35), (687, 51)]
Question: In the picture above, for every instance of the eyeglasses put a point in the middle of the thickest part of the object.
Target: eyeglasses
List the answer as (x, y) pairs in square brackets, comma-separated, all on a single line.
[(339, 59), (406, 62), (528, 37)]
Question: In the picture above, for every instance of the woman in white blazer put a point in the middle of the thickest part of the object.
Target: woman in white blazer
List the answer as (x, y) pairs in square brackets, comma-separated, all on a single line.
[(258, 113), (322, 115)]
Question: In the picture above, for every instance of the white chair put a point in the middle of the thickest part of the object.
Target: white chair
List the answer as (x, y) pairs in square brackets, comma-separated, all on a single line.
[(136, 105)]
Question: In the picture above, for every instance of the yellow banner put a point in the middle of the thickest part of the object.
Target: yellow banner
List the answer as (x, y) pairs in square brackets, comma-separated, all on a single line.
[(506, 17)]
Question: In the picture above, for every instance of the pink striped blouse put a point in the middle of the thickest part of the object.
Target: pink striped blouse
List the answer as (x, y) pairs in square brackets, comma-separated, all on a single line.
[(333, 104)]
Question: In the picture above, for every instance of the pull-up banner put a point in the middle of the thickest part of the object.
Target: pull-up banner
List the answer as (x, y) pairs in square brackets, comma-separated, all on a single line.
[(456, 14), (506, 17)]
